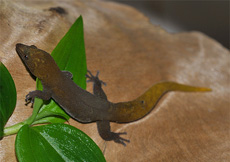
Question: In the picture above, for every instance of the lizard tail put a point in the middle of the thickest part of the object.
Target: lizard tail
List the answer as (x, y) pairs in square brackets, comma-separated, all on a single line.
[(138, 108)]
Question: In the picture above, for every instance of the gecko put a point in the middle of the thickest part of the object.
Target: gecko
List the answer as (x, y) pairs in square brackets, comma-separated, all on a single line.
[(84, 106)]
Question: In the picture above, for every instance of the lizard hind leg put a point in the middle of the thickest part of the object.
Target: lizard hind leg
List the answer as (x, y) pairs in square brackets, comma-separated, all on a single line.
[(103, 127), (106, 133)]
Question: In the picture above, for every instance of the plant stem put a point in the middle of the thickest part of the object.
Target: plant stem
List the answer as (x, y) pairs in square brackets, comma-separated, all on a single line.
[(15, 128)]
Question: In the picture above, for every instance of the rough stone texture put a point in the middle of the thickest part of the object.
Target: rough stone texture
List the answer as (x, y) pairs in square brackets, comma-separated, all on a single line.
[(131, 54)]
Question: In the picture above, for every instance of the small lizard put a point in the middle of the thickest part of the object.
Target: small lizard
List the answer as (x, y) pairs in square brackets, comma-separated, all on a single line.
[(84, 106)]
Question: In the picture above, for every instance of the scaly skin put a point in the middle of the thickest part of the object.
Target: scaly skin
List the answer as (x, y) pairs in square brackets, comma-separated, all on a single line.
[(84, 106)]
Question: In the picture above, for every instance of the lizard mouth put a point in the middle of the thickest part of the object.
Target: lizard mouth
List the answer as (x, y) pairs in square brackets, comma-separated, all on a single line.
[(19, 48)]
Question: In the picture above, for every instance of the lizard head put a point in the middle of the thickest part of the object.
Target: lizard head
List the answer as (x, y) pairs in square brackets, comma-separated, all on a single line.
[(36, 60)]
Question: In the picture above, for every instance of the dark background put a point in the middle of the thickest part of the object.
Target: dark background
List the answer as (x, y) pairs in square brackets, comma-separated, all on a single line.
[(209, 17)]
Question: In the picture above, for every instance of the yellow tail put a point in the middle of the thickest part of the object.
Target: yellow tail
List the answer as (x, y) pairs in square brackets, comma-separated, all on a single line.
[(138, 108)]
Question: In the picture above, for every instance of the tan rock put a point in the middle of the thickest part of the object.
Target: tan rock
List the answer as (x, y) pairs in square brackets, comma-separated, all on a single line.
[(131, 54)]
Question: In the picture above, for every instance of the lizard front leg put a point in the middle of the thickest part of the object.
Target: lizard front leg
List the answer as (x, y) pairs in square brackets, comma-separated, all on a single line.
[(44, 95)]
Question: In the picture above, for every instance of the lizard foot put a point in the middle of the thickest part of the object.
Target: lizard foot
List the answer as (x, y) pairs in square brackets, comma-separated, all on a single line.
[(95, 79), (30, 98), (116, 138)]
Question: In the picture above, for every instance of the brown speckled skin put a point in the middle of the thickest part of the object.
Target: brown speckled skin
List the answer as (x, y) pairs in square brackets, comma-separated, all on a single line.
[(84, 106)]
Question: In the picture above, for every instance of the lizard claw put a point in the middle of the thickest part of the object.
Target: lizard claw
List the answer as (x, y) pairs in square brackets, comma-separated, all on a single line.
[(118, 139), (95, 79), (29, 99)]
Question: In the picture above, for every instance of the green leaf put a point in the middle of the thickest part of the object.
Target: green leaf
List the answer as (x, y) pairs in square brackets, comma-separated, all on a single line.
[(8, 97), (56, 142), (51, 109), (69, 55)]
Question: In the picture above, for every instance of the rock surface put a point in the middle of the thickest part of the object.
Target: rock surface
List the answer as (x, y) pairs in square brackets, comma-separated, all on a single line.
[(132, 55)]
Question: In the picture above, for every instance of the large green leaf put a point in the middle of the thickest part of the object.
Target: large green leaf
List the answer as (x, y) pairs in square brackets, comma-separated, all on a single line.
[(8, 96), (56, 142), (69, 55)]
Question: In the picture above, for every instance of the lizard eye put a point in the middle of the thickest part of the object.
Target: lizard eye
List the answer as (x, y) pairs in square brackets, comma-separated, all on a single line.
[(26, 57), (142, 102)]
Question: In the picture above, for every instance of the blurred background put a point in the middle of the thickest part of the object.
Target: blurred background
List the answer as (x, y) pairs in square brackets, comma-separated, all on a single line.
[(209, 17)]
